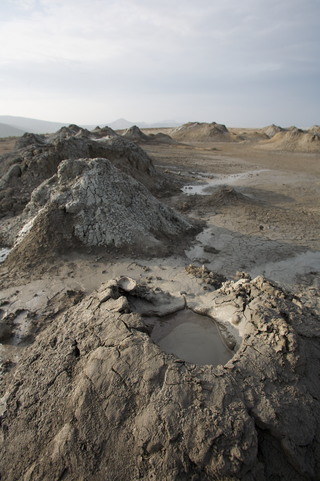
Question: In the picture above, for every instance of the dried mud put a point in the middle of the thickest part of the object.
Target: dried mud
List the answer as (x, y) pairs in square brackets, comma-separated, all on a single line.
[(86, 394)]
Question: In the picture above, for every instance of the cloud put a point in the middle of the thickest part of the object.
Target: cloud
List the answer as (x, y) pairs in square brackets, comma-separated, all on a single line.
[(102, 30), (23, 5), (65, 48)]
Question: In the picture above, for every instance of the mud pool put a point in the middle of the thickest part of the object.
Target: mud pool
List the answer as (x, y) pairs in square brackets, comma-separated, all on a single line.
[(191, 337)]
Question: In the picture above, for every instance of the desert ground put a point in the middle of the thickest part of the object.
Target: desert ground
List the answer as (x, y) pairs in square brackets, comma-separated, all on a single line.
[(253, 207)]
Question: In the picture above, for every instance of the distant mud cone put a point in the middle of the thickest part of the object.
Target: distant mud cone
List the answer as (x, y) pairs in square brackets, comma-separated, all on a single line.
[(293, 140), (134, 133), (196, 131)]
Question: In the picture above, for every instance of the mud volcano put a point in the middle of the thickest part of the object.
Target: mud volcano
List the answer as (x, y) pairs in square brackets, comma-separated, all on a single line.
[(95, 398), (176, 329), (89, 202)]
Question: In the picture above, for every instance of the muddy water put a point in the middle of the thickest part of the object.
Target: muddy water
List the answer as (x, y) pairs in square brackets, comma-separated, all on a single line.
[(191, 337)]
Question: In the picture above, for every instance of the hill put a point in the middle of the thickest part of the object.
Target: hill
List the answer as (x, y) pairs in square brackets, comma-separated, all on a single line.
[(9, 131), (32, 125)]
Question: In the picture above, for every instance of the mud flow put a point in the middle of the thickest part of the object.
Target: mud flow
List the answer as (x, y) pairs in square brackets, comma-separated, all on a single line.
[(209, 183), (191, 337)]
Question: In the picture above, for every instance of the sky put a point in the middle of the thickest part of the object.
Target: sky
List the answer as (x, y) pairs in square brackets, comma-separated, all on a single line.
[(244, 63)]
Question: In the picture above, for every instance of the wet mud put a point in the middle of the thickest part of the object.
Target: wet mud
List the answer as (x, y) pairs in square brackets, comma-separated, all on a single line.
[(191, 337)]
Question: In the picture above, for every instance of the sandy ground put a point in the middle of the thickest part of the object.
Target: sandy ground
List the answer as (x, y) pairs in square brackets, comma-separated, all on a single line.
[(275, 233)]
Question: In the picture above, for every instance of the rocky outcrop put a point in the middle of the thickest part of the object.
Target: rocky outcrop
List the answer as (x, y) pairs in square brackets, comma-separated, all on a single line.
[(95, 398)]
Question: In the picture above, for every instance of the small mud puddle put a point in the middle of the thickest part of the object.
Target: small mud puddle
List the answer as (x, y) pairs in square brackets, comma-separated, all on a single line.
[(191, 337)]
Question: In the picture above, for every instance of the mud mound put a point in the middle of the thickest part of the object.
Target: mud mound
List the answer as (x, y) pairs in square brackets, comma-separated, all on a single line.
[(196, 131), (104, 132), (272, 130), (36, 158), (90, 202), (208, 277), (225, 196), (314, 129), (293, 140), (49, 232), (126, 156), (29, 139), (70, 131), (95, 398), (134, 133), (161, 138), (250, 135)]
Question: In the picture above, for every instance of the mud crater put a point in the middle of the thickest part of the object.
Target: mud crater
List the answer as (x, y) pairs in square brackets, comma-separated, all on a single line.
[(191, 337)]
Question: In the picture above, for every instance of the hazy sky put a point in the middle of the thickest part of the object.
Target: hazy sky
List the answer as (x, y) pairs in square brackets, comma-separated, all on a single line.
[(241, 63)]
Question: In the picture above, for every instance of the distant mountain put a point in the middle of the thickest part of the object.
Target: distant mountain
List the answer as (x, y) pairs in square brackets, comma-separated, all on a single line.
[(120, 124), (9, 131), (32, 125), (36, 126)]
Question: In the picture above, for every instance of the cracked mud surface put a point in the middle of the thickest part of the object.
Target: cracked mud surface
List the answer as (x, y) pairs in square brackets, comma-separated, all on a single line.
[(93, 397)]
